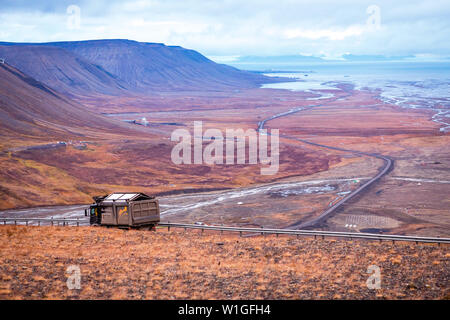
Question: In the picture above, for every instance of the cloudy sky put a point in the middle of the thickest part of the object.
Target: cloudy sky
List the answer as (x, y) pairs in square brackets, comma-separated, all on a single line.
[(237, 27)]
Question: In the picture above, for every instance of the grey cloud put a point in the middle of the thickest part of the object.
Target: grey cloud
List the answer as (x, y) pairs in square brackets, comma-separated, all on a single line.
[(234, 27)]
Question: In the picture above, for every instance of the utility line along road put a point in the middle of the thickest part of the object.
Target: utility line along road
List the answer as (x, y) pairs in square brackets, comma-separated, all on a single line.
[(76, 211), (388, 164)]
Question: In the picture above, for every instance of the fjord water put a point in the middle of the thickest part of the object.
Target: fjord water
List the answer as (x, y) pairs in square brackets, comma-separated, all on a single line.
[(407, 84)]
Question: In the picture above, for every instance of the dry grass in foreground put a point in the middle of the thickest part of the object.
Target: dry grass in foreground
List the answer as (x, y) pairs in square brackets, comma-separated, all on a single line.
[(117, 264)]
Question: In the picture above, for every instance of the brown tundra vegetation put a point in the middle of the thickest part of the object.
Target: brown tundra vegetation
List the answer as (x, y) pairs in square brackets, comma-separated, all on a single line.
[(118, 264)]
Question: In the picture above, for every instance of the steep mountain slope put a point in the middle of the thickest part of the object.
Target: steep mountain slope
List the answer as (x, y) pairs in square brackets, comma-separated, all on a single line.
[(28, 107), (62, 70), (138, 66), (33, 117), (154, 65)]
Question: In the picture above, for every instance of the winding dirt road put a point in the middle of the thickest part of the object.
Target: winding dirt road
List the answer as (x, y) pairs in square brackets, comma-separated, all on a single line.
[(77, 210), (382, 171)]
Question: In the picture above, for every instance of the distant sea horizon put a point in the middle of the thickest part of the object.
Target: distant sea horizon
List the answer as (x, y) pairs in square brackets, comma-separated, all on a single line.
[(410, 84)]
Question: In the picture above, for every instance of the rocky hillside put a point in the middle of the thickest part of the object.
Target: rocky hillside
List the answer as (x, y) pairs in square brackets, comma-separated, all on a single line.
[(118, 264), (116, 66), (32, 109), (62, 70)]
